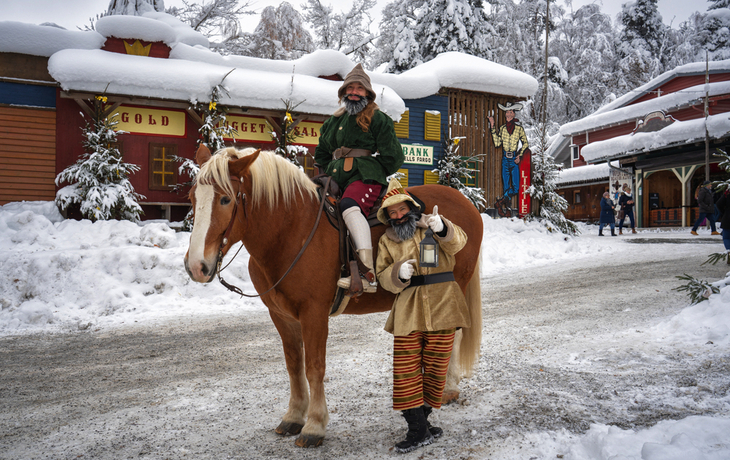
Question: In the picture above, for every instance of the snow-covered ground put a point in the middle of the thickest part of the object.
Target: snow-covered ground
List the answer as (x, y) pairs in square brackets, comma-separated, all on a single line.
[(69, 276)]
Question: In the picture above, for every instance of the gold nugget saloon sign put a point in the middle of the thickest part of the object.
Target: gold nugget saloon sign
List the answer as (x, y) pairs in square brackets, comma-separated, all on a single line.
[(143, 120)]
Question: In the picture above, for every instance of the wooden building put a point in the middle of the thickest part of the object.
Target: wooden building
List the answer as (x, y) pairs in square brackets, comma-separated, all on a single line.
[(660, 136)]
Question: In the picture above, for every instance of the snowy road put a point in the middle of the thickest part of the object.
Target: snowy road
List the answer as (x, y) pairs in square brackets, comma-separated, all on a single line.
[(565, 345)]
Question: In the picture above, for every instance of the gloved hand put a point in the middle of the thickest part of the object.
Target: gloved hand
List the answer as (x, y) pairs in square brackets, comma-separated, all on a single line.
[(406, 270), (434, 221)]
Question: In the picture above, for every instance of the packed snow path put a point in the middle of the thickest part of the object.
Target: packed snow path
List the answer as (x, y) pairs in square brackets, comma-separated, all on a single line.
[(565, 346)]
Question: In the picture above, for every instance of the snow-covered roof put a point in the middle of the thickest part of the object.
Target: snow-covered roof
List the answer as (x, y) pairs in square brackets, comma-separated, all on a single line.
[(678, 133), (583, 174), (619, 111), (150, 27), (44, 40)]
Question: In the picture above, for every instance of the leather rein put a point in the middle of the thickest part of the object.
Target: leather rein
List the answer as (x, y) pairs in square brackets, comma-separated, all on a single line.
[(241, 202)]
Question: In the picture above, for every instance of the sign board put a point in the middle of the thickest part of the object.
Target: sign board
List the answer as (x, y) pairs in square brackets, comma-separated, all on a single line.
[(249, 128), (525, 182), (418, 154), (143, 120), (307, 133)]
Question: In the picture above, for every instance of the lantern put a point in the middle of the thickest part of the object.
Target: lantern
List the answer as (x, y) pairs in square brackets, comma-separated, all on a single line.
[(429, 251)]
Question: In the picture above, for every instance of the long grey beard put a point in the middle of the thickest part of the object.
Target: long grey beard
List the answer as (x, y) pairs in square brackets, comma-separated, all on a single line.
[(355, 107), (407, 229)]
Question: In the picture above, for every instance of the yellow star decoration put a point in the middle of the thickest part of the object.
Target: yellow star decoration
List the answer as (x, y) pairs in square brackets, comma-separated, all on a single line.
[(212, 106), (101, 98), (456, 141), (288, 117)]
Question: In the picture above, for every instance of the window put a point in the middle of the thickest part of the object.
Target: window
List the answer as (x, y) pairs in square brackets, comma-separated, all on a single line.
[(576, 197), (574, 152), (432, 125), (163, 167), (402, 127)]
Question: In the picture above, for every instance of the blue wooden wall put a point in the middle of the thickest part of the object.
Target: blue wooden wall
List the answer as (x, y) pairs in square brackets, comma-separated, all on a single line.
[(417, 109), (27, 95)]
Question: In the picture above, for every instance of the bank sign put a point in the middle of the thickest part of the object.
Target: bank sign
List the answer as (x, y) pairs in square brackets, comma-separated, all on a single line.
[(418, 154)]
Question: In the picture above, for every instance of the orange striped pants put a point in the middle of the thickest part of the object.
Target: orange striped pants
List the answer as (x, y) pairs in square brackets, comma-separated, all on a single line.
[(420, 362)]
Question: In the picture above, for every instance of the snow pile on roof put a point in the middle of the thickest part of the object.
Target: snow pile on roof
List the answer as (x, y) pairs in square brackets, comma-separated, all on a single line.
[(581, 174), (44, 40), (150, 27), (176, 79), (678, 133), (461, 71), (620, 110)]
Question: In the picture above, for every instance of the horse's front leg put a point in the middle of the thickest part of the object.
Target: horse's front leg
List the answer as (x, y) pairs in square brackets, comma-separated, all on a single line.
[(315, 328), (290, 332)]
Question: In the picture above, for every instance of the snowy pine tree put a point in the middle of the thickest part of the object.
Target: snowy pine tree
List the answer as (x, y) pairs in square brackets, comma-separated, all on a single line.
[(454, 172), (714, 30), (398, 45), (99, 180), (346, 31), (280, 35), (453, 25), (134, 7), (642, 42), (286, 138)]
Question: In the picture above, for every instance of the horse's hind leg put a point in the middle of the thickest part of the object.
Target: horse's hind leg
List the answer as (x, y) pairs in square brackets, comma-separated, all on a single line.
[(290, 332)]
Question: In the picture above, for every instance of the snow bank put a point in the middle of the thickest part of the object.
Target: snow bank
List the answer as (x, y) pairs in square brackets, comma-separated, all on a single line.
[(22, 38), (150, 27)]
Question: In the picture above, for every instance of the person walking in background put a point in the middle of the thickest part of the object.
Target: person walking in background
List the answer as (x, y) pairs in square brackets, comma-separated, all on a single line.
[(607, 215), (722, 206), (626, 204), (707, 208)]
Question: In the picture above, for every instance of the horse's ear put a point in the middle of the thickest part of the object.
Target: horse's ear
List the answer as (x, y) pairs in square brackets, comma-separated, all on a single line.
[(237, 167), (202, 155)]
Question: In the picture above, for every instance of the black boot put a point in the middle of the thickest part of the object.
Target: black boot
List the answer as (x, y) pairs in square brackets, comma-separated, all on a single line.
[(600, 232), (613, 233), (418, 434), (435, 431)]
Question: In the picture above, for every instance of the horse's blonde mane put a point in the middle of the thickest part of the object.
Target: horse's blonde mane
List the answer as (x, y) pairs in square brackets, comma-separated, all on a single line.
[(273, 177)]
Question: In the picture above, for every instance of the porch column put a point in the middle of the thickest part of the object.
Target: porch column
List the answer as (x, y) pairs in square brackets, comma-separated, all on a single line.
[(684, 174)]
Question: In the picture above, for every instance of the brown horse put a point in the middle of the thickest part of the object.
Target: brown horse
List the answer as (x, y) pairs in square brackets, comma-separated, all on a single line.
[(278, 209)]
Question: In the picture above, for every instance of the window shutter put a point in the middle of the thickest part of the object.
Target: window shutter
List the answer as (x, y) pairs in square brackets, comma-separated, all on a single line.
[(432, 126), (403, 180), (402, 127), (430, 177)]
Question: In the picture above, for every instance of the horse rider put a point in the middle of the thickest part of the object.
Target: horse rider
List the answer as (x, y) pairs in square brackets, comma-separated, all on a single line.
[(428, 308), (348, 142), (513, 140)]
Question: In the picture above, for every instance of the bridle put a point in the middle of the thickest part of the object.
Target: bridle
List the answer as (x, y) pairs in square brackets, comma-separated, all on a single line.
[(241, 202)]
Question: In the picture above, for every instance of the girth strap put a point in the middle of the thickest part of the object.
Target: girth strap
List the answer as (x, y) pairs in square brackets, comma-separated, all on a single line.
[(421, 280)]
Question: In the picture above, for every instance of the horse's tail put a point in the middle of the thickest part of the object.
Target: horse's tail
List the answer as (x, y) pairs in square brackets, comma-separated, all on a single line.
[(471, 338)]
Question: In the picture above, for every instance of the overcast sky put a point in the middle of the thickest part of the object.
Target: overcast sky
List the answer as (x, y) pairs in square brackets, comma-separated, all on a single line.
[(76, 13)]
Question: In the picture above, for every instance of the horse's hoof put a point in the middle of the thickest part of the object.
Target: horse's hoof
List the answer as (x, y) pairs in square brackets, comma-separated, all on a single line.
[(449, 396), (287, 428), (309, 440)]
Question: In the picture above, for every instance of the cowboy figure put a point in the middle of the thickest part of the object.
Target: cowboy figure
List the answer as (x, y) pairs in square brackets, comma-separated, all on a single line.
[(513, 140)]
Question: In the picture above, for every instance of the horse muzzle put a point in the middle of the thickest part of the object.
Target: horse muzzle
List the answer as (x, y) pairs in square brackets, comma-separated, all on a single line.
[(202, 271)]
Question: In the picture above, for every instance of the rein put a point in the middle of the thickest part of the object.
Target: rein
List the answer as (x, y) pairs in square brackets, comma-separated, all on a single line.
[(241, 198)]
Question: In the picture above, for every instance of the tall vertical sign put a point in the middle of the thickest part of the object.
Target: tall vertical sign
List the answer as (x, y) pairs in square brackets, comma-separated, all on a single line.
[(525, 182)]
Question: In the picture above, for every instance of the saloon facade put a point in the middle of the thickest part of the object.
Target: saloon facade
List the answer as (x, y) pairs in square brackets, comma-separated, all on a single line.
[(152, 69)]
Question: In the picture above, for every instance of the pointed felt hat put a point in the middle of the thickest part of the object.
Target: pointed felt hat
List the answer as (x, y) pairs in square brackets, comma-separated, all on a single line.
[(357, 75), (395, 194)]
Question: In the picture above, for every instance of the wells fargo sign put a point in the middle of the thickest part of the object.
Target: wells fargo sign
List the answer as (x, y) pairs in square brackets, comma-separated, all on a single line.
[(418, 154), (142, 120)]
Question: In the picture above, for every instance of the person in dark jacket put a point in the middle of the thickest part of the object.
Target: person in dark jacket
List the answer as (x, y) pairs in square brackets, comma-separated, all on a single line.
[(607, 215), (348, 143), (723, 205), (707, 208), (626, 204)]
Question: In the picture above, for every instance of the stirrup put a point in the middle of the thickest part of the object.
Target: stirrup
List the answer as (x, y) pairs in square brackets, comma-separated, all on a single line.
[(367, 287)]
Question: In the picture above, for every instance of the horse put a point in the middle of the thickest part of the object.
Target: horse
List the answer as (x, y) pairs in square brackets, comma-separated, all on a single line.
[(278, 209)]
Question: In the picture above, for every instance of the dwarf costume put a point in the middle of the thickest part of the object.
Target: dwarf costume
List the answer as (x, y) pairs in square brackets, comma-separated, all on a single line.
[(345, 152), (423, 320), (513, 140)]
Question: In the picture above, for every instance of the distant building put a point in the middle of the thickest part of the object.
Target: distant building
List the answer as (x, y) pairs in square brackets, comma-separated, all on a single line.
[(654, 137), (152, 68)]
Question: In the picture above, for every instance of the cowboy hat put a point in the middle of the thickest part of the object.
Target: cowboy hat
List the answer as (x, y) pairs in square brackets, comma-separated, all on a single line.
[(516, 106), (394, 195)]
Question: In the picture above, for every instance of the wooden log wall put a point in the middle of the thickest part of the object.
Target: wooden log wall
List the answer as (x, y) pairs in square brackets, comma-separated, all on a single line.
[(27, 154), (468, 112)]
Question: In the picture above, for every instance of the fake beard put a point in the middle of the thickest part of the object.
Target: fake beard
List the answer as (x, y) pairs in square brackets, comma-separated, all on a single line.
[(405, 227), (355, 107)]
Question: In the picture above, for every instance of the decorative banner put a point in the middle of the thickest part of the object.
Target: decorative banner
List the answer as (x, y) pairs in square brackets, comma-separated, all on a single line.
[(307, 132), (525, 182), (249, 128), (418, 154), (142, 120)]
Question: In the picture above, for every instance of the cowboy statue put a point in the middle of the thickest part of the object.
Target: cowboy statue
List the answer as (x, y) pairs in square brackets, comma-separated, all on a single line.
[(513, 140)]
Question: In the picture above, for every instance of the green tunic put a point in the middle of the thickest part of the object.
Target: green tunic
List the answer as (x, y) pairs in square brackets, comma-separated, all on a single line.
[(343, 131)]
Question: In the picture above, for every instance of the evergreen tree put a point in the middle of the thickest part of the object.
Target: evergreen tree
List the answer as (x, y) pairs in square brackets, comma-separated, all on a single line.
[(714, 30), (99, 180), (642, 43), (453, 25), (345, 32), (134, 7), (286, 137), (454, 172), (280, 35), (398, 45)]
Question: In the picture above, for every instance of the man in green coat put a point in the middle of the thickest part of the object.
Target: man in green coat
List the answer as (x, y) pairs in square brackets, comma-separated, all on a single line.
[(359, 149)]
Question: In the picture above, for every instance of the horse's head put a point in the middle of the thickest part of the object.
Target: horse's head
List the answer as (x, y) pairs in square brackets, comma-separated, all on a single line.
[(217, 199)]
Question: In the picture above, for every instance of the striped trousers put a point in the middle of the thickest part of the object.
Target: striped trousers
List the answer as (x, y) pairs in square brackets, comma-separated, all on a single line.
[(420, 362)]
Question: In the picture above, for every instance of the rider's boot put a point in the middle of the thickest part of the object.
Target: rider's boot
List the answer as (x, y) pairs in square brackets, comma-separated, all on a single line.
[(359, 230)]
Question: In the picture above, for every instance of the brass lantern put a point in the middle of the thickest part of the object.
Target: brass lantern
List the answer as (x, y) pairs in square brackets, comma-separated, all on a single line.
[(429, 249)]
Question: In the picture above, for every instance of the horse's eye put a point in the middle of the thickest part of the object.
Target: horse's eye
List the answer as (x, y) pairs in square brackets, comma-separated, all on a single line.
[(225, 200)]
